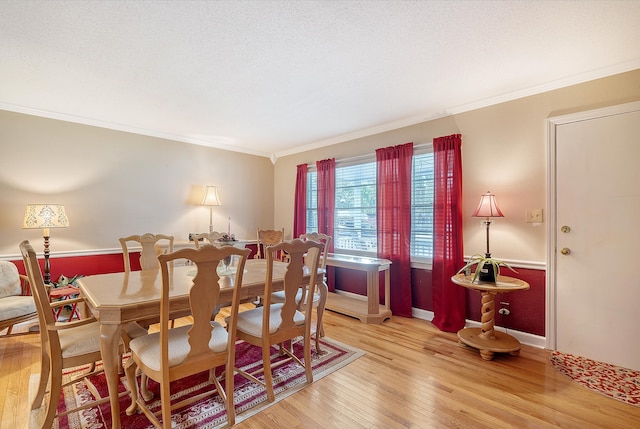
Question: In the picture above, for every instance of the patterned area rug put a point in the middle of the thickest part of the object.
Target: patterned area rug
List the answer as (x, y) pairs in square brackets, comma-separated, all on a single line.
[(208, 413), (616, 382)]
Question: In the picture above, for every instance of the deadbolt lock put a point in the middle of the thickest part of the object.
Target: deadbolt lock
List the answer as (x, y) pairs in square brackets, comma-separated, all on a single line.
[(565, 229)]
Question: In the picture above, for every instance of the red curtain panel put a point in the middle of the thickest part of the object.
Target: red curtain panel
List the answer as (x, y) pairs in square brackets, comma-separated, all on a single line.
[(300, 202), (449, 300), (327, 206), (394, 222)]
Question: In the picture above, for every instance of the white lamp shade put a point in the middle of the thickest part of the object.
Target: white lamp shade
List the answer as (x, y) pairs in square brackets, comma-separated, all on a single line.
[(487, 207), (45, 216), (211, 197)]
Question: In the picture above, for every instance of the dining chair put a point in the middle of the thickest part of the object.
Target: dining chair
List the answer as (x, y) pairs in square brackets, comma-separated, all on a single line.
[(211, 237), (150, 249), (16, 303), (320, 296), (173, 354), (63, 344), (268, 237), (277, 323)]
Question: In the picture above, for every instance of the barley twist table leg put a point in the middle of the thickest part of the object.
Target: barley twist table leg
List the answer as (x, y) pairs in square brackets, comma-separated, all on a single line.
[(487, 318)]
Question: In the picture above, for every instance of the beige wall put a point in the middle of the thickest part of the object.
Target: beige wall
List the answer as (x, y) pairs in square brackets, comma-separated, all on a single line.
[(115, 184), (504, 151)]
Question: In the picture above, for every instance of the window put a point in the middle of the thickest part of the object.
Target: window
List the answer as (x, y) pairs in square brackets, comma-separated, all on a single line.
[(422, 206), (355, 218), (312, 201)]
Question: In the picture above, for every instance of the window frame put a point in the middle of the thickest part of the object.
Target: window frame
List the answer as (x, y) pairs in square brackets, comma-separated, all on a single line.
[(417, 261)]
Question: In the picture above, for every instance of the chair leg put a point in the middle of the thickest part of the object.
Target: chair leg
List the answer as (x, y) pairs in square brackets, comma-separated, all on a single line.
[(307, 358), (323, 290), (130, 371), (45, 371), (144, 388), (268, 377), (54, 394), (230, 403), (317, 338), (165, 399)]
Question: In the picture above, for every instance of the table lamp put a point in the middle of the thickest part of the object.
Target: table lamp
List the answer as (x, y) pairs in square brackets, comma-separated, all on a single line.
[(45, 216), (487, 208), (211, 199)]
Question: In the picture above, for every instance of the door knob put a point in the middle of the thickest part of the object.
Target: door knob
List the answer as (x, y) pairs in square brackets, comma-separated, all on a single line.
[(565, 251)]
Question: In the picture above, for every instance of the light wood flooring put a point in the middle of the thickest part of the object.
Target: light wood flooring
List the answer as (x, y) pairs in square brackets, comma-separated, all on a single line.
[(412, 376)]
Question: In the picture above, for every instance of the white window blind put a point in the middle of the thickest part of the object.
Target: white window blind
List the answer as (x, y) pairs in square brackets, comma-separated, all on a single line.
[(312, 201), (422, 206), (355, 217)]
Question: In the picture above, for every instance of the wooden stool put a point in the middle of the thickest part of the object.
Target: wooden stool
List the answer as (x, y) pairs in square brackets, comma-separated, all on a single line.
[(64, 293)]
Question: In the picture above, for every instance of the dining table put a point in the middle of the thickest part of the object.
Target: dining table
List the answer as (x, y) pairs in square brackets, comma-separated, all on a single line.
[(115, 299)]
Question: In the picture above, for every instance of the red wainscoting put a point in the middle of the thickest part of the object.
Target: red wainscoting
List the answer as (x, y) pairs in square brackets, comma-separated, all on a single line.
[(70, 266), (527, 307), (86, 265)]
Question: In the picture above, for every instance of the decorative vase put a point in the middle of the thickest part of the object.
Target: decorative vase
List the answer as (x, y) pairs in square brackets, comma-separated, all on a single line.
[(487, 273)]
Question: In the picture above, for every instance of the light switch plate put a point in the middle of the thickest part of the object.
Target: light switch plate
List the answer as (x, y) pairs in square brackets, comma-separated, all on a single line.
[(534, 216)]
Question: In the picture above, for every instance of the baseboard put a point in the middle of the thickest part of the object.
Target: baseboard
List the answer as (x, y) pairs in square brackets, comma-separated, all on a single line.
[(350, 295)]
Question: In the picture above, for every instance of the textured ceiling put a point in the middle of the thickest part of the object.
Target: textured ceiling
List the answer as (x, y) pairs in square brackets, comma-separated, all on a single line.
[(276, 77)]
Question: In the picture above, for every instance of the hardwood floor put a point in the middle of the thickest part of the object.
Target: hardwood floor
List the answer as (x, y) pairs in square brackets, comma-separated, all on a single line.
[(412, 376)]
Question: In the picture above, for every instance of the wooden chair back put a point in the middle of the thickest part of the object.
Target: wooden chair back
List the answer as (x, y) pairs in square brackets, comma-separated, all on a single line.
[(268, 237), (297, 252), (320, 298), (321, 238), (203, 298), (150, 249), (210, 238), (40, 293)]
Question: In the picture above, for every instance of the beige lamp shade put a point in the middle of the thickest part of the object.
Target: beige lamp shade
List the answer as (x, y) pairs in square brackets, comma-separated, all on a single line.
[(45, 216), (211, 197)]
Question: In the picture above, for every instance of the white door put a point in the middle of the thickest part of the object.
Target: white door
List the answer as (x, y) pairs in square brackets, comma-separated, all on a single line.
[(595, 254)]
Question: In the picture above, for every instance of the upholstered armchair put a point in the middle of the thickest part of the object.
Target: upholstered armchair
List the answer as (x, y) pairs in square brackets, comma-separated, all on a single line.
[(16, 303)]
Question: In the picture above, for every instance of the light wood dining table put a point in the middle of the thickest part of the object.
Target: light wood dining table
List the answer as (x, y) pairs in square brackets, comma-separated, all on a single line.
[(118, 298)]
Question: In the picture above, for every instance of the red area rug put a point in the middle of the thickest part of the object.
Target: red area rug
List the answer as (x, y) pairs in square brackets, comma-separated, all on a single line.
[(616, 382), (250, 398)]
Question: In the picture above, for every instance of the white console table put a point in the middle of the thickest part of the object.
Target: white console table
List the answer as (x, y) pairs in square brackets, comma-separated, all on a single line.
[(369, 311)]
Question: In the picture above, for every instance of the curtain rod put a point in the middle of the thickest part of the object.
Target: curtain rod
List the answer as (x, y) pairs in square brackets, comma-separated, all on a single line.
[(368, 155)]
